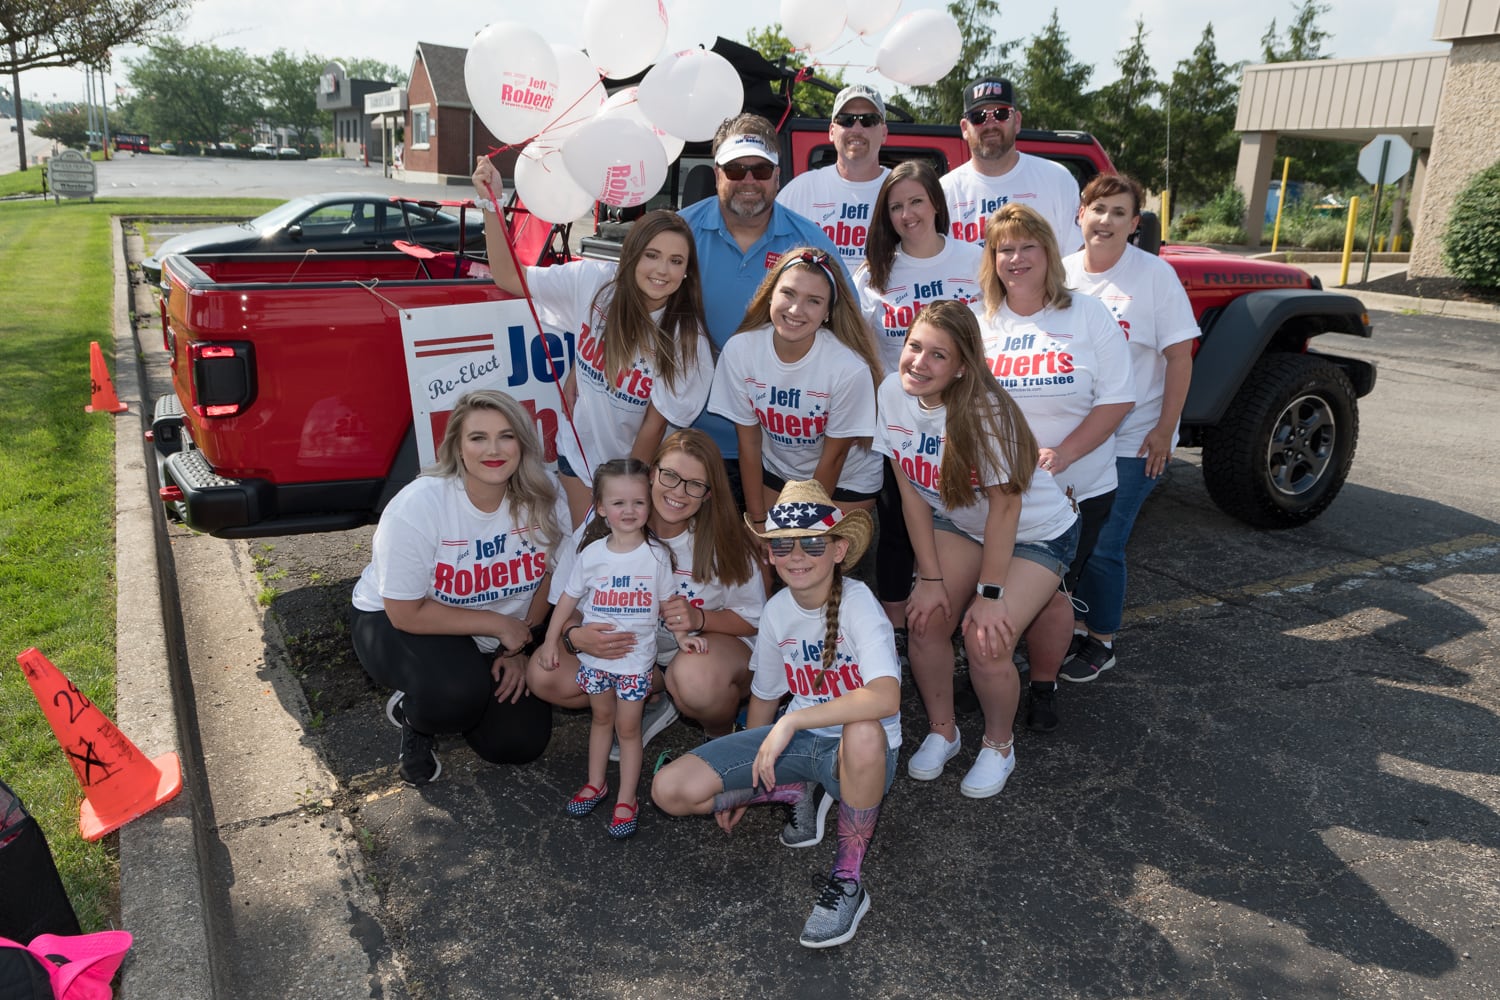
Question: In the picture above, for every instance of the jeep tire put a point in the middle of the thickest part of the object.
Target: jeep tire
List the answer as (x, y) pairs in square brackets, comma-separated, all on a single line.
[(1283, 448)]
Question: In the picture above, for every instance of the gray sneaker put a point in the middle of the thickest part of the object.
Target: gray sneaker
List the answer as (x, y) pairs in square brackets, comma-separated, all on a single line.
[(808, 819), (836, 914), (655, 717)]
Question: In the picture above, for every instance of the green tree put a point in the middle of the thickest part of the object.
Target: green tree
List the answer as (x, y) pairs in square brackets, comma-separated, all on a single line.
[(68, 126), (40, 33), (1128, 119), (1201, 105), (982, 54), (373, 69), (809, 101), (288, 86), (1325, 162), (196, 92), (1052, 84)]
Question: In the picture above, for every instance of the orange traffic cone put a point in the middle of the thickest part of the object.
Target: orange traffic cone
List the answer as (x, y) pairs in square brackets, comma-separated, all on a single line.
[(105, 400), (119, 783)]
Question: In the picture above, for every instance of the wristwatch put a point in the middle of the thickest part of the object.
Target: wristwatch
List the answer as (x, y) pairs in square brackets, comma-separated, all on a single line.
[(568, 640), (990, 591)]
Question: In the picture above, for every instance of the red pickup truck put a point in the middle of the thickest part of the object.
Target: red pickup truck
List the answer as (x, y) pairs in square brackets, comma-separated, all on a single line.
[(292, 410)]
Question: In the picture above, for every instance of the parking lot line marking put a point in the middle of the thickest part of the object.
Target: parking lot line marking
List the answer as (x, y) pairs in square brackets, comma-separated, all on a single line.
[(1426, 557)]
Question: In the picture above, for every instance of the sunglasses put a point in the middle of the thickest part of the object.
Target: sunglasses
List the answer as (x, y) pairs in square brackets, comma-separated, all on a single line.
[(869, 119), (813, 546), (669, 480), (737, 171), (981, 115)]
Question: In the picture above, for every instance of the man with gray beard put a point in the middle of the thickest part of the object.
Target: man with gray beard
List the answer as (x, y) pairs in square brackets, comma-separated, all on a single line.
[(740, 234)]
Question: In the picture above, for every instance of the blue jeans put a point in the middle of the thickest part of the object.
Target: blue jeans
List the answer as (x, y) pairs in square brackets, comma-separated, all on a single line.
[(808, 757), (1101, 582)]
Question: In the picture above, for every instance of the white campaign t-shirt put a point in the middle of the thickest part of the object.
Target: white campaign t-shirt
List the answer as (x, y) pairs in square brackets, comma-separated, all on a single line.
[(1147, 298), (744, 599), (1048, 187), (841, 207), (433, 542), (623, 589), (608, 417), (915, 438), (1058, 364), (916, 282), (826, 394), (789, 654)]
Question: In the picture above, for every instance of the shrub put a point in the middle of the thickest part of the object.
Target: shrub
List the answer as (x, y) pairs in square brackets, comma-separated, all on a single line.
[(1216, 232), (1227, 208), (1471, 244)]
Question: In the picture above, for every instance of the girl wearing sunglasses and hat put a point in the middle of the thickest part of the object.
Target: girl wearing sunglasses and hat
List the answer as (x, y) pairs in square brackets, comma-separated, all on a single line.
[(825, 641), (798, 381)]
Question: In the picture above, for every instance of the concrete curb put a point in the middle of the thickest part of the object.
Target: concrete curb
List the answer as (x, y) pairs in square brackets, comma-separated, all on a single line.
[(1426, 307), (161, 895)]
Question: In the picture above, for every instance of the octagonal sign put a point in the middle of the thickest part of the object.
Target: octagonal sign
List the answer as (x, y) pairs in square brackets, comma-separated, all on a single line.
[(1397, 162)]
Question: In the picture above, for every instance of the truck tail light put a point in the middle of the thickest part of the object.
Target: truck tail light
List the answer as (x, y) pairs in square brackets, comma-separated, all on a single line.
[(223, 377)]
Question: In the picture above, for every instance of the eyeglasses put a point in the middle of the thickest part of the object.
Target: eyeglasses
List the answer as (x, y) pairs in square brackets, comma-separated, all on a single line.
[(867, 120), (669, 480), (814, 546), (979, 116), (737, 171)]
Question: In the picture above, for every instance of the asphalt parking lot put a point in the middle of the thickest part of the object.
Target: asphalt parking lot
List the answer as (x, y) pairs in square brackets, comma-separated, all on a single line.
[(1287, 788)]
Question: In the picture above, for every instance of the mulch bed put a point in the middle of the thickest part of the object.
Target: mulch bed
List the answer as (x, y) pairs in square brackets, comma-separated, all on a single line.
[(1450, 289)]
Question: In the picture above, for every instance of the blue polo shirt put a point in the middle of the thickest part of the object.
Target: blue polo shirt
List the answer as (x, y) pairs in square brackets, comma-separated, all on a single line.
[(731, 276)]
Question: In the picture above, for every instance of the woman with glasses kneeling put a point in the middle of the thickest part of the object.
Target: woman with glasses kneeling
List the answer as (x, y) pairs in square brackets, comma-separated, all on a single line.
[(718, 595)]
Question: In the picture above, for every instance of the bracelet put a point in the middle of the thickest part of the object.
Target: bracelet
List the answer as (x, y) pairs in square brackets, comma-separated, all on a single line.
[(484, 204), (703, 623)]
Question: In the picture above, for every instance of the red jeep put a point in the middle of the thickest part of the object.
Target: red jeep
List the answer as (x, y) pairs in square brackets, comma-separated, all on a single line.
[(291, 410)]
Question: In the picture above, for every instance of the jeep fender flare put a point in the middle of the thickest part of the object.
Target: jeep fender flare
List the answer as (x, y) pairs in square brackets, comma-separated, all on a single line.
[(1260, 322)]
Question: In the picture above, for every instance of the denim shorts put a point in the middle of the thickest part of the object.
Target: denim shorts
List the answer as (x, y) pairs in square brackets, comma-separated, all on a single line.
[(808, 757), (565, 468), (1056, 554)]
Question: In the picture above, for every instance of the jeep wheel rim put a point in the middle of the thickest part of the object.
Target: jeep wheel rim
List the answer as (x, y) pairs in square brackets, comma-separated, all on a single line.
[(1301, 445)]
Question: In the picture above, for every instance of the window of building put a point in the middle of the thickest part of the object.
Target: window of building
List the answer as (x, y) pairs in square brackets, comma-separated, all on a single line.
[(421, 126)]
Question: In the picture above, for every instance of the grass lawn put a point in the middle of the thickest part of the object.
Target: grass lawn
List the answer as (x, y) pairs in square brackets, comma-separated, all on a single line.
[(57, 501)]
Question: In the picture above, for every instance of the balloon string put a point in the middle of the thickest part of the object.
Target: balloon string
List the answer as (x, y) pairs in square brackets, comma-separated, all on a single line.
[(552, 365), (803, 73)]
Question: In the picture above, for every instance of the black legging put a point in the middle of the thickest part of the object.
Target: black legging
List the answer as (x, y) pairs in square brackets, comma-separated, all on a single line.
[(1093, 512), (449, 689), (893, 572)]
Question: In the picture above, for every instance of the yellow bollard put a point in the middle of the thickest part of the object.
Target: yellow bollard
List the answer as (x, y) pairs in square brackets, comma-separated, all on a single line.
[(1348, 240), (1286, 169), (1166, 216), (1396, 243)]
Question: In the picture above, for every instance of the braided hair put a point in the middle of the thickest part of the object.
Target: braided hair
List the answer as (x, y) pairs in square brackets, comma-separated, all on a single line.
[(831, 636)]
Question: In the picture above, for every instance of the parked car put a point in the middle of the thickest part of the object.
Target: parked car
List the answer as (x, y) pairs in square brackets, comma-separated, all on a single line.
[(262, 151), (339, 221), (168, 147), (288, 153)]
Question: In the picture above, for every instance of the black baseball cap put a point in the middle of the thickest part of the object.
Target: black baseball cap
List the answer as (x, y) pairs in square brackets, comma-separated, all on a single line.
[(989, 90)]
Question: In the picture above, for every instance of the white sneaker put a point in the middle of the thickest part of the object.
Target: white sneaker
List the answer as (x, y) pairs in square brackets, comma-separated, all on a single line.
[(987, 776), (927, 763)]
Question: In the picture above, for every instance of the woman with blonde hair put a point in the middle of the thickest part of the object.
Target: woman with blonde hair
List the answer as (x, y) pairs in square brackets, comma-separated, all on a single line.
[(456, 590), (798, 380), (1064, 360)]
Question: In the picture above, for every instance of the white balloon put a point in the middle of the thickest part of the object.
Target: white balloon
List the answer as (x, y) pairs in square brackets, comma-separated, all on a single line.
[(922, 48), (688, 94), (511, 75), (623, 104), (547, 189), (691, 25), (624, 36), (580, 94), (868, 16), (618, 162), (812, 25)]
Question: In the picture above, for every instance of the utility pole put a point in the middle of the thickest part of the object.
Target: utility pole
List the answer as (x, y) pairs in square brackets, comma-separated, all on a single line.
[(15, 94)]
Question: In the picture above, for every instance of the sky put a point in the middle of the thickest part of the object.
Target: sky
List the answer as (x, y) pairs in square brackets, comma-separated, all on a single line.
[(1097, 30)]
